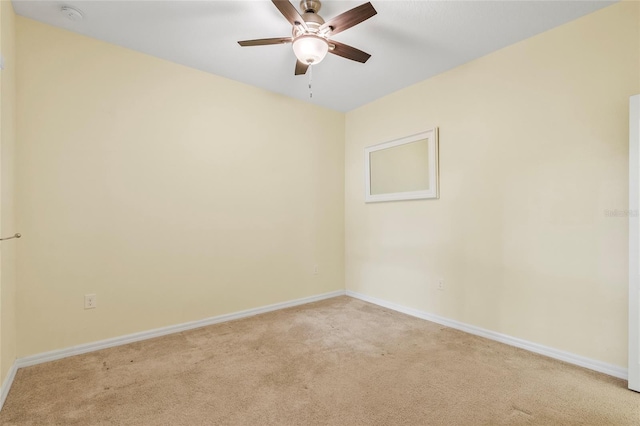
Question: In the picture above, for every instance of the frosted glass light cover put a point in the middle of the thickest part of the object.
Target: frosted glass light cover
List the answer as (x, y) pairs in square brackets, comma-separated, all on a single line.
[(310, 49)]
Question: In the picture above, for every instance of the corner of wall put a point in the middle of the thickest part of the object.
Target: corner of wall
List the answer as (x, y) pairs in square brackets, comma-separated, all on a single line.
[(8, 281)]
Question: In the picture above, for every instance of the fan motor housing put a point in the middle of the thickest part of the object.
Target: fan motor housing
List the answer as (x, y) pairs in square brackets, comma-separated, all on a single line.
[(313, 21)]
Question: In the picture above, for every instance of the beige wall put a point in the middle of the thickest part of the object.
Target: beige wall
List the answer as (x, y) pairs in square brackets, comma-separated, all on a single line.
[(172, 194), (533, 151), (7, 186)]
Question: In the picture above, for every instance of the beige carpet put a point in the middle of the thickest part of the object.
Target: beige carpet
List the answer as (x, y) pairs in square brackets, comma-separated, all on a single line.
[(339, 361)]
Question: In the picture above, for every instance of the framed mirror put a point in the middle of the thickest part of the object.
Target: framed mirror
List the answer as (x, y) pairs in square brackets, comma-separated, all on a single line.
[(402, 169)]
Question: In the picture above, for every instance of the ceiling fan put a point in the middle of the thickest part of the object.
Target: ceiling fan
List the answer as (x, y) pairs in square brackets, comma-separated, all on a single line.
[(310, 35)]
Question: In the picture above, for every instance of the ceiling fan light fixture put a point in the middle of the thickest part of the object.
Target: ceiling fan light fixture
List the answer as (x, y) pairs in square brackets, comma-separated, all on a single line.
[(311, 36), (310, 48)]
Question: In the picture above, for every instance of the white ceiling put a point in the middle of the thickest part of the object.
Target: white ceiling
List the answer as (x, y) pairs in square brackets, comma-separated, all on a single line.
[(409, 41)]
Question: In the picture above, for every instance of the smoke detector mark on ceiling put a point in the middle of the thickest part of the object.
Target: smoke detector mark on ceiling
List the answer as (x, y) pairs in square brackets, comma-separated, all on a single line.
[(71, 13)]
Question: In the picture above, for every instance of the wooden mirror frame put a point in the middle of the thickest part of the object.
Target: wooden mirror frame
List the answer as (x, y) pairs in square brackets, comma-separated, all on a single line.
[(431, 162)]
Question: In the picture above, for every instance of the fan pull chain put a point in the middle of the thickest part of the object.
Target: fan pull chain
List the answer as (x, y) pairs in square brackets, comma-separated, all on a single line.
[(310, 81)]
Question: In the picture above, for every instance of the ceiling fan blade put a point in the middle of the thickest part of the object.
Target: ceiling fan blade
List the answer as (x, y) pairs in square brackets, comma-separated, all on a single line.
[(349, 18), (348, 52), (301, 68), (290, 12), (265, 41)]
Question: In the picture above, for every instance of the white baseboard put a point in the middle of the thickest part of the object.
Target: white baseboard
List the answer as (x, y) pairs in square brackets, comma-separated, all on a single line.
[(602, 367), (6, 384), (150, 334), (599, 366)]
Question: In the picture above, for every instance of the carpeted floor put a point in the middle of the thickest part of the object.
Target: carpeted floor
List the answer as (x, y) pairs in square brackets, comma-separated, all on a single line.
[(340, 361)]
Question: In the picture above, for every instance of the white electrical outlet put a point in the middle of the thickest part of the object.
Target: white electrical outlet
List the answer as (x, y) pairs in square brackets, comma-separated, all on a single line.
[(90, 301), (316, 270), (441, 285)]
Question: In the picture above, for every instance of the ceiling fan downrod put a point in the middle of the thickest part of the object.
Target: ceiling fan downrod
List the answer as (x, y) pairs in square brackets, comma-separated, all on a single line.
[(310, 6)]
